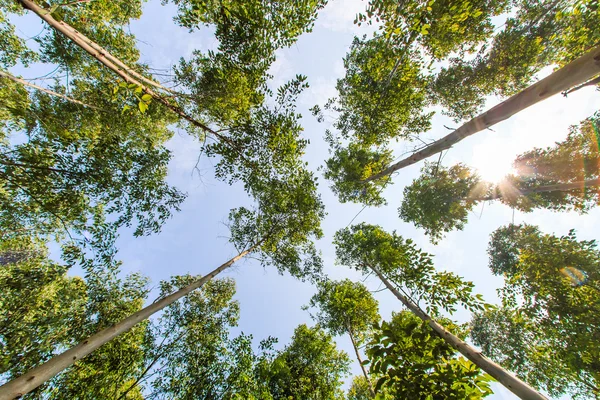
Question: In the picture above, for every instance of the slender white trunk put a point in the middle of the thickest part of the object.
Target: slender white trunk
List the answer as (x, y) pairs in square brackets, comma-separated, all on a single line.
[(42, 373), (114, 59), (43, 89), (360, 361), (575, 73), (507, 379), (123, 72)]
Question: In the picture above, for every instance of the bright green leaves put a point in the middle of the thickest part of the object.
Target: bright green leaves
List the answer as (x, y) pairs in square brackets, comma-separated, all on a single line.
[(365, 247), (283, 224), (440, 199), (349, 166), (550, 301), (310, 367), (538, 34), (41, 308), (345, 307), (42, 311), (413, 362), (443, 27)]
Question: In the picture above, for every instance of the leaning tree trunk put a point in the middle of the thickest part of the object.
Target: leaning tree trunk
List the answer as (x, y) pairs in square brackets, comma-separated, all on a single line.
[(559, 187), (122, 70), (575, 73), (42, 373), (508, 380), (23, 82), (360, 361)]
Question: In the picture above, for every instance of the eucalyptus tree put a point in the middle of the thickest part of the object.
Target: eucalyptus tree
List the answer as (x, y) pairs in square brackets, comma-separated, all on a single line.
[(190, 352), (562, 177), (414, 363), (391, 82), (410, 275), (346, 307), (41, 307), (551, 297), (536, 35), (279, 232), (44, 310), (309, 367)]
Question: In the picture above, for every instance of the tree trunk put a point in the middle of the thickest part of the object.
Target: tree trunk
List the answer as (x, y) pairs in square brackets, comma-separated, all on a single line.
[(42, 373), (124, 73), (114, 59), (559, 187), (578, 71), (508, 380), (360, 361), (42, 89)]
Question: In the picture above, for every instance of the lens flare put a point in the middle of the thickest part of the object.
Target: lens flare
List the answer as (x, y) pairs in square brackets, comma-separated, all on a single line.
[(576, 276)]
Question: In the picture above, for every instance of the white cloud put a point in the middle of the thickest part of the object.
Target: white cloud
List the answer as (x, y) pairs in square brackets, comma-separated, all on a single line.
[(338, 16)]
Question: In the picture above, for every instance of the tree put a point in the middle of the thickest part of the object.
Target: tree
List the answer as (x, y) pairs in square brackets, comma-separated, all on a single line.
[(346, 307), (189, 356), (535, 35), (562, 177), (409, 274), (578, 71), (360, 389), (43, 311), (41, 307), (415, 363), (551, 295), (279, 232), (310, 367), (514, 341), (439, 200)]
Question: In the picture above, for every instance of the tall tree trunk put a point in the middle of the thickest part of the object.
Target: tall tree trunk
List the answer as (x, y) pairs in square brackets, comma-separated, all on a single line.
[(559, 187), (360, 361), (578, 71), (42, 89), (124, 73), (42, 373), (507, 379)]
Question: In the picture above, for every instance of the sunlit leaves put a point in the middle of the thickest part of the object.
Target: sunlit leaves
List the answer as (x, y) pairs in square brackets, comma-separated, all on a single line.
[(413, 362)]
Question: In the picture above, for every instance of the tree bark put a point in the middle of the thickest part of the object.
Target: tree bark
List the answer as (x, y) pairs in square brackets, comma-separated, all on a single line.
[(360, 361), (42, 89), (578, 71), (114, 59), (42, 373), (559, 187), (122, 72), (507, 379)]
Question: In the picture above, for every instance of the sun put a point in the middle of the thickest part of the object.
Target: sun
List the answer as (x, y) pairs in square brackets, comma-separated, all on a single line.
[(493, 160)]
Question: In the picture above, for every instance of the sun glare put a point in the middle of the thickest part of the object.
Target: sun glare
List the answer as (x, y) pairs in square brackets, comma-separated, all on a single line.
[(493, 161)]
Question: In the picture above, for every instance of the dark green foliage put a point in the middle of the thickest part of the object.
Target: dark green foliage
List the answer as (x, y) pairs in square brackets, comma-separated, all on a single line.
[(190, 356), (412, 362), (310, 367)]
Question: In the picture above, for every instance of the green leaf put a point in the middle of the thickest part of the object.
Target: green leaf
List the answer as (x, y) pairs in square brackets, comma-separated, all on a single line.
[(142, 106)]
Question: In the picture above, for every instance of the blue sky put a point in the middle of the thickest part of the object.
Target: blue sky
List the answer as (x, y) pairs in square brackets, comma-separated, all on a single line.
[(195, 240)]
